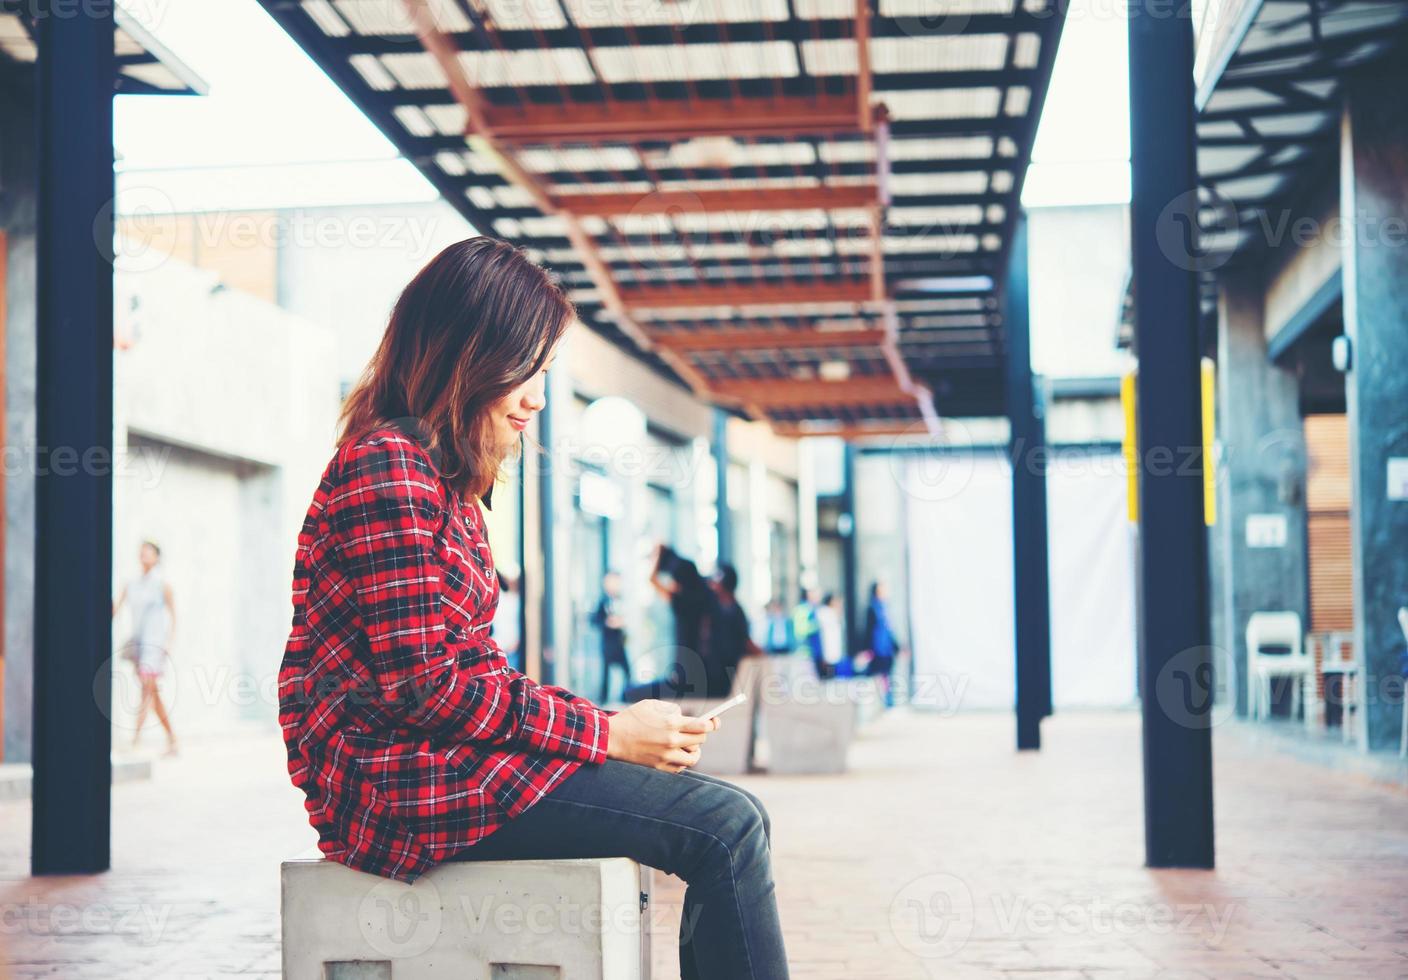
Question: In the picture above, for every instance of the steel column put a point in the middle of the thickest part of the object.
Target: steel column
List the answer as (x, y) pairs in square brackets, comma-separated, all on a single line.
[(849, 559), (1031, 601), (73, 459), (1176, 683)]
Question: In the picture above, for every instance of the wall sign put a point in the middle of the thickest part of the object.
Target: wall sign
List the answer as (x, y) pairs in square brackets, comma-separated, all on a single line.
[(1266, 530), (1398, 478)]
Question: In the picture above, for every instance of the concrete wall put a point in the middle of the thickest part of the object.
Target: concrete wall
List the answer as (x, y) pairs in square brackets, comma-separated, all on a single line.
[(1261, 482), (18, 217), (225, 409), (344, 267), (1308, 254)]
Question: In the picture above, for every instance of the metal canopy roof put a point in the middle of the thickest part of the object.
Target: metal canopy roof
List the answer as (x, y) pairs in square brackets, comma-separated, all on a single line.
[(800, 208), (1269, 98), (144, 65)]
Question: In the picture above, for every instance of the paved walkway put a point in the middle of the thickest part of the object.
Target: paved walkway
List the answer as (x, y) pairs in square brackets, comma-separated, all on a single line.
[(942, 854)]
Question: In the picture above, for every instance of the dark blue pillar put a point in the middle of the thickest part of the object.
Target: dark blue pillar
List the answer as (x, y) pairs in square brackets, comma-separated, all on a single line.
[(73, 461), (846, 527), (1176, 683), (1027, 451), (724, 516), (1374, 207)]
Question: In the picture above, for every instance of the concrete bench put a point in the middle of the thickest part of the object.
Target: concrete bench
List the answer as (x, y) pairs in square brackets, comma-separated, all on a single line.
[(868, 696), (729, 751), (806, 724), (488, 920)]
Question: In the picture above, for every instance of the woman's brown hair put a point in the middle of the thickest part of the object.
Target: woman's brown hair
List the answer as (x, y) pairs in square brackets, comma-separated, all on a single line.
[(478, 321)]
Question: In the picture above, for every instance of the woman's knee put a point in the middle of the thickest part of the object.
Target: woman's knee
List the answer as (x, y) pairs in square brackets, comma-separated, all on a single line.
[(740, 832)]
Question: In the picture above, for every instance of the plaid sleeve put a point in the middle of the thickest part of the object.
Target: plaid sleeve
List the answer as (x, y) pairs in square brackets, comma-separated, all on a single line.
[(385, 513)]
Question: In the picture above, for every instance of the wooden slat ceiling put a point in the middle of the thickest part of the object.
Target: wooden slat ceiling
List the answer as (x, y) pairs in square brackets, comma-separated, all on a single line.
[(704, 175)]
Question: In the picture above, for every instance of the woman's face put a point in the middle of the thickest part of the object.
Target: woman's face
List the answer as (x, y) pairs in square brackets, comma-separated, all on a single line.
[(510, 415)]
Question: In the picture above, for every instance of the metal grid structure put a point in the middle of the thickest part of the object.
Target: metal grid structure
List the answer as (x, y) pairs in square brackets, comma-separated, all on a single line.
[(1269, 105), (144, 65), (800, 208)]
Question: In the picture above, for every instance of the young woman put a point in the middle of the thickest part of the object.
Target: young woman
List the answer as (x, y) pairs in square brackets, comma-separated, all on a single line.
[(412, 738), (149, 646)]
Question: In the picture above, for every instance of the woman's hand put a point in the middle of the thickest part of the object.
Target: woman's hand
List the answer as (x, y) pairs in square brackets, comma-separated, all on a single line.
[(657, 734)]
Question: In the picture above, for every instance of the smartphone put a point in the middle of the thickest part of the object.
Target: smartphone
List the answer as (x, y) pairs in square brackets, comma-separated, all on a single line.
[(717, 710)]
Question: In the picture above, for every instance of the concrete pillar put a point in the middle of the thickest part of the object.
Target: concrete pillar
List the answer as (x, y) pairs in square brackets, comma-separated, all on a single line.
[(1262, 481), (1374, 209), (19, 210)]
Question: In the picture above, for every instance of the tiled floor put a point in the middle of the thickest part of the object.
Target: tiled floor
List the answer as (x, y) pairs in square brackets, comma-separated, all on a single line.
[(942, 854)]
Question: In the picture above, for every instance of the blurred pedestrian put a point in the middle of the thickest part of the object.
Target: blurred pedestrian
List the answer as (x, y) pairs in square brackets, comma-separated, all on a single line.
[(726, 634), (679, 582), (148, 648), (831, 633), (608, 619), (805, 629), (880, 639), (777, 636)]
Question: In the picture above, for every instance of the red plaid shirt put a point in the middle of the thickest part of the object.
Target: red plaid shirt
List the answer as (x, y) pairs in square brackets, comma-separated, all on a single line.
[(405, 726)]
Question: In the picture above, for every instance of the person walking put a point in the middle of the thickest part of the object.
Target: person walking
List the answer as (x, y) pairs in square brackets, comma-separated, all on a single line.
[(778, 635), (679, 582), (805, 628), (727, 634), (608, 619), (831, 632), (413, 740), (880, 639), (148, 648)]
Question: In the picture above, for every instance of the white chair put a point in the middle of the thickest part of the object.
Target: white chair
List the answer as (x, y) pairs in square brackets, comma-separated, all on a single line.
[(1337, 659), (1403, 708), (1276, 648)]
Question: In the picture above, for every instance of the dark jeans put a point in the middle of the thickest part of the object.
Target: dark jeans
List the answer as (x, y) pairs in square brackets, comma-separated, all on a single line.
[(709, 832)]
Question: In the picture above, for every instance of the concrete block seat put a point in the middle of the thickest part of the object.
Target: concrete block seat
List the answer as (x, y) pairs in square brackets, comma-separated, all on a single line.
[(582, 919), (793, 722), (866, 693), (805, 724), (729, 751)]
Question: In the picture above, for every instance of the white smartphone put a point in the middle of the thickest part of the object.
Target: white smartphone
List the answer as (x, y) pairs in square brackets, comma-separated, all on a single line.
[(717, 710)]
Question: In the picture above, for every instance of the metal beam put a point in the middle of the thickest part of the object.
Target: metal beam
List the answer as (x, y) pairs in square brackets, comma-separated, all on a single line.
[(1175, 682), (1031, 587), (72, 794), (563, 99), (734, 338), (745, 294), (715, 201), (850, 431), (791, 393), (672, 35), (676, 119)]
